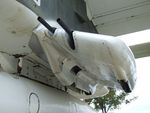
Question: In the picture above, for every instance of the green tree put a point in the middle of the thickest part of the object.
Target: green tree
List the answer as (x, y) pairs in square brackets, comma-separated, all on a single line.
[(111, 101)]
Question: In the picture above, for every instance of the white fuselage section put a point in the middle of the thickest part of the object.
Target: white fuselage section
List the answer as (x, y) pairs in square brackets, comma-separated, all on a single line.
[(20, 95)]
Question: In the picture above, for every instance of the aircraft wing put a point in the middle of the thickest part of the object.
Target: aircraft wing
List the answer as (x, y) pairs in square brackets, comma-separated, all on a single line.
[(118, 17)]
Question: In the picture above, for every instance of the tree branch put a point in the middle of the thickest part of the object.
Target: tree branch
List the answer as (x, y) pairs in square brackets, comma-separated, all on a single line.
[(109, 107)]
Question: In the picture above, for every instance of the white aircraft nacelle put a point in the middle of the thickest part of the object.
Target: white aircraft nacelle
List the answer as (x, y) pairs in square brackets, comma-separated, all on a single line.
[(97, 59)]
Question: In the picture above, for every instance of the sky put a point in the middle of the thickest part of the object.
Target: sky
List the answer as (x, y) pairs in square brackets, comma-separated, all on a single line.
[(142, 88)]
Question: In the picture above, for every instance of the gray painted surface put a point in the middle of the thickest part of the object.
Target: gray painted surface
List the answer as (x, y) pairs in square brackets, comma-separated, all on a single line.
[(72, 12)]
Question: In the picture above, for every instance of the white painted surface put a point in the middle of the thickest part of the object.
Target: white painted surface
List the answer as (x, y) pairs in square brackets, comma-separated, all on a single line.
[(17, 23), (38, 2), (103, 59), (8, 63), (16, 93)]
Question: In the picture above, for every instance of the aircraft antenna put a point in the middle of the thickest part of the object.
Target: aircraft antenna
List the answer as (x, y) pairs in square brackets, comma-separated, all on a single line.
[(42, 21), (69, 32)]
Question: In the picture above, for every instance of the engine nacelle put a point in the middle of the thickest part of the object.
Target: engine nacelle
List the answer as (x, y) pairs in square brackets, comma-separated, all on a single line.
[(96, 59), (107, 58)]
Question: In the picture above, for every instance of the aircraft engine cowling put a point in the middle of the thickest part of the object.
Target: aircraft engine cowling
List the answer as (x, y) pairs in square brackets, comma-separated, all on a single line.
[(66, 77), (96, 59), (62, 38), (108, 58)]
